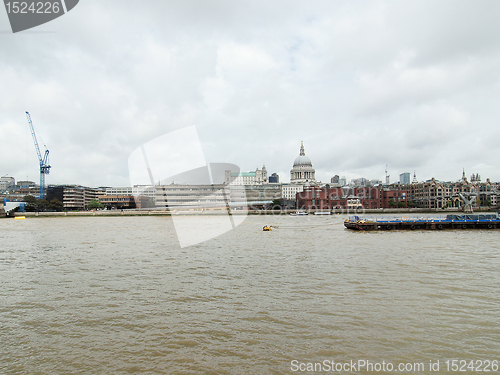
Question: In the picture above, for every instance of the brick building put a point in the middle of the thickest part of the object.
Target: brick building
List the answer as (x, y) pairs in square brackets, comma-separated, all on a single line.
[(328, 198)]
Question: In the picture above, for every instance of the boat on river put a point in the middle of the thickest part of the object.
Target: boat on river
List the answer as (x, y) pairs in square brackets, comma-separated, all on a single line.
[(452, 221)]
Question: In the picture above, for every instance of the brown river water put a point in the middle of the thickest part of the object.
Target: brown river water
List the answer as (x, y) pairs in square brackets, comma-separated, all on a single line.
[(99, 295)]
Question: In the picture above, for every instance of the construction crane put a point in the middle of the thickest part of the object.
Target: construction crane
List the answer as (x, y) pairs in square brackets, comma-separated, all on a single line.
[(44, 162)]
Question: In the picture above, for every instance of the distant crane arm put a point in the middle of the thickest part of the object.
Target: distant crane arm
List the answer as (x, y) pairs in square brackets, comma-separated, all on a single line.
[(34, 138), (43, 161)]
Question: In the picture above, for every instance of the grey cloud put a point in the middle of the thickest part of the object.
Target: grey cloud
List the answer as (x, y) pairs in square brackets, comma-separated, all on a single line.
[(364, 84)]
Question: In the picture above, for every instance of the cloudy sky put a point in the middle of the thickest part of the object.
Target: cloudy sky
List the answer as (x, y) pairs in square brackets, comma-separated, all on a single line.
[(411, 84)]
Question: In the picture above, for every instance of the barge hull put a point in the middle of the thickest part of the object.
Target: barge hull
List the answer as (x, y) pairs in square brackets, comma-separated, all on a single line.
[(425, 225)]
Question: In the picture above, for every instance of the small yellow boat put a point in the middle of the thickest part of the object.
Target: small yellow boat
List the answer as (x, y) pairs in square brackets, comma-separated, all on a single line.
[(266, 228), (20, 218)]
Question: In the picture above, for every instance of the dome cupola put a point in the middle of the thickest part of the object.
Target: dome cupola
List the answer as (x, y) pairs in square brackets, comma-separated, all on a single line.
[(302, 159), (302, 170)]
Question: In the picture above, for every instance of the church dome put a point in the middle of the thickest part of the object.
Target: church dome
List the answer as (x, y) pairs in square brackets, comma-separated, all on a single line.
[(302, 171), (302, 160)]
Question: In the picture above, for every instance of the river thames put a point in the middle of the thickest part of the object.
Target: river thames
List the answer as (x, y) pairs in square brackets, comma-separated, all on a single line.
[(95, 295)]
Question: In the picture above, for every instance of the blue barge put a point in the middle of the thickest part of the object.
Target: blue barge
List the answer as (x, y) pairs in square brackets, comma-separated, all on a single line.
[(453, 221)]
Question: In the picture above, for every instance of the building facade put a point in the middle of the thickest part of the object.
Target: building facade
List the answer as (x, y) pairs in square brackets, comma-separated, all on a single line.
[(217, 196), (144, 196), (404, 178), (118, 202), (330, 198), (73, 197), (274, 178), (260, 195), (183, 196), (7, 183), (289, 191), (26, 184), (257, 177)]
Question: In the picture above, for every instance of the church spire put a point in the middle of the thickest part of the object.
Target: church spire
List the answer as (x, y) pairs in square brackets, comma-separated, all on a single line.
[(302, 152)]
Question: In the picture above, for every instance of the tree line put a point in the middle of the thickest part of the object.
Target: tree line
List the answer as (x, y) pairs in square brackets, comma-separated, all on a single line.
[(35, 205)]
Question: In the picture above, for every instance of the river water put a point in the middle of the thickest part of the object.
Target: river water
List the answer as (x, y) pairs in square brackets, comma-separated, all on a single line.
[(95, 295)]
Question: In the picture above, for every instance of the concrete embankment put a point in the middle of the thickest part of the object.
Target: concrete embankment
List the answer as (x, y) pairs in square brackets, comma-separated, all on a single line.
[(93, 213), (119, 213), (235, 212)]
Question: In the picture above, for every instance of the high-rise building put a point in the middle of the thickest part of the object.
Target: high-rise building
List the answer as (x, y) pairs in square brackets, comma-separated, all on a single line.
[(73, 197), (274, 178), (360, 182), (7, 183), (404, 178)]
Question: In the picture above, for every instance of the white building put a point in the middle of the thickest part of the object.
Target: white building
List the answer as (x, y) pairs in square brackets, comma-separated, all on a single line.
[(183, 196), (136, 190), (7, 183), (289, 191), (257, 177)]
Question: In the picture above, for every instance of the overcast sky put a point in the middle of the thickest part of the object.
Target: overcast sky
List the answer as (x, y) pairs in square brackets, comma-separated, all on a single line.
[(411, 84)]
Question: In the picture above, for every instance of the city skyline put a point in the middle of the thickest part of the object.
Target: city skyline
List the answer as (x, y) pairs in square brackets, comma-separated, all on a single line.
[(354, 181), (357, 181), (411, 85)]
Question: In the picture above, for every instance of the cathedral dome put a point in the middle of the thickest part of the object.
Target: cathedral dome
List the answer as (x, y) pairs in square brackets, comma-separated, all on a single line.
[(302, 160), (302, 171)]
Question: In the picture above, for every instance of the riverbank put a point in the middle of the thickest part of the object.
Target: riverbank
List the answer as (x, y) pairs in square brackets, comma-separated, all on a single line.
[(107, 213)]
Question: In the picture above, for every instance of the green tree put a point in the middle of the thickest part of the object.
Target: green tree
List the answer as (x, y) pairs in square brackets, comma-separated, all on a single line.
[(401, 204), (31, 203), (95, 204), (392, 204), (276, 205), (55, 205), (43, 204)]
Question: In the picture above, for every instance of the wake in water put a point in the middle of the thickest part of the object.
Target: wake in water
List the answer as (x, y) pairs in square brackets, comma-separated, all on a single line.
[(305, 225)]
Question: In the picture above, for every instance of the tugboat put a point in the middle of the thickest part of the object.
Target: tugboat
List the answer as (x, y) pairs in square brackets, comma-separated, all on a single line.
[(453, 221)]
